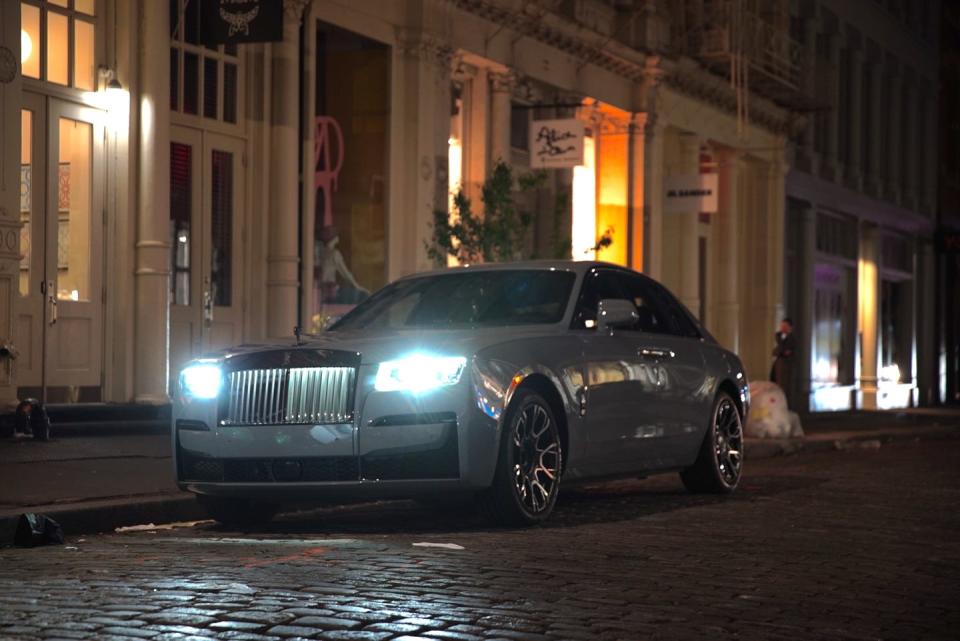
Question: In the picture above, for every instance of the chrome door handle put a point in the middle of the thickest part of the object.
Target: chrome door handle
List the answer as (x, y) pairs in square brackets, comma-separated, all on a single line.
[(652, 352), (53, 308)]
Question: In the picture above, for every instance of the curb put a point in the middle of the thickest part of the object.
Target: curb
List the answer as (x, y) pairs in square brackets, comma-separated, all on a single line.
[(105, 516), (761, 448)]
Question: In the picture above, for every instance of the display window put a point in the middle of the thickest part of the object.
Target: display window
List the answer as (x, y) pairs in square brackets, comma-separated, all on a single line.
[(351, 130)]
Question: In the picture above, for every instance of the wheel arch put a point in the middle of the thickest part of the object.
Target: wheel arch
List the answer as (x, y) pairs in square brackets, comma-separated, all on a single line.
[(730, 388)]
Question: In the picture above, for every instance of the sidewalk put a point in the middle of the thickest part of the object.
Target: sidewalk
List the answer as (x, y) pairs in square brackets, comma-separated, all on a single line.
[(98, 479)]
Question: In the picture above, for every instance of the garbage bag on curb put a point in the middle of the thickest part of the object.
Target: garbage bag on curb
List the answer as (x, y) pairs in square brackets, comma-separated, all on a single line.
[(769, 416), (32, 419), (37, 529)]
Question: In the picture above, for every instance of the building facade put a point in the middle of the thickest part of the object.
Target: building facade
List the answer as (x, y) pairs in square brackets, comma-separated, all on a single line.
[(225, 194), (861, 201)]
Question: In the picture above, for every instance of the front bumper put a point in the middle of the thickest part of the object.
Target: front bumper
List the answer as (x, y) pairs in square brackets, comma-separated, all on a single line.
[(398, 444)]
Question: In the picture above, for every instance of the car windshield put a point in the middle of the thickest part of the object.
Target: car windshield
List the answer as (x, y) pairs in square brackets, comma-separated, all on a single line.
[(483, 298)]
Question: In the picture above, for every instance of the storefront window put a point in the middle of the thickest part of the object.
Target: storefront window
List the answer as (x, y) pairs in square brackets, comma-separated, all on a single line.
[(350, 153), (832, 354), (895, 331)]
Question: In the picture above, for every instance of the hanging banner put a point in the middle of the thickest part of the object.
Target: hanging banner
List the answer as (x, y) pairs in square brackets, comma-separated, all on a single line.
[(556, 144), (239, 21), (691, 194)]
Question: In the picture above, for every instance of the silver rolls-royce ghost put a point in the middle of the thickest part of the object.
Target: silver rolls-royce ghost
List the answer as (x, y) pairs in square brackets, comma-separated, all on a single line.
[(497, 382)]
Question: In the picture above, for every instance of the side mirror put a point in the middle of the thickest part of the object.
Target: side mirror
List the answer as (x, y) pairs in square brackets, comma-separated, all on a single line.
[(615, 313)]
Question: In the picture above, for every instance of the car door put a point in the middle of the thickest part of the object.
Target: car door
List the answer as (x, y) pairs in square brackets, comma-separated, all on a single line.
[(616, 383), (667, 342)]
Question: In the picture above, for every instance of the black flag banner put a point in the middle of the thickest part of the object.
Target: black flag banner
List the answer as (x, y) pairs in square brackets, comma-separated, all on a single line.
[(239, 21)]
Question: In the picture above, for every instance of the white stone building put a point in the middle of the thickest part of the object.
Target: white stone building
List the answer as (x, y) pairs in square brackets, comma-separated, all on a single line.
[(227, 194)]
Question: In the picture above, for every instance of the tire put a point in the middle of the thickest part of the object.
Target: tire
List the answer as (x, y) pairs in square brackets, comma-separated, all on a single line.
[(527, 479), (238, 512), (719, 463)]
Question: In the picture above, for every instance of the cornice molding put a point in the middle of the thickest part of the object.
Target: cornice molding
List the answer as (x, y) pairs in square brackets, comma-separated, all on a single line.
[(293, 9), (425, 46)]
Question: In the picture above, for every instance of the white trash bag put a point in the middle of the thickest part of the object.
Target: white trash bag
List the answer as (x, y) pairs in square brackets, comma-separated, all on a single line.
[(769, 416)]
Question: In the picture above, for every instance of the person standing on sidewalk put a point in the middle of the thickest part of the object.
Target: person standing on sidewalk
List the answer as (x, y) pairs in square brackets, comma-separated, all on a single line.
[(781, 372)]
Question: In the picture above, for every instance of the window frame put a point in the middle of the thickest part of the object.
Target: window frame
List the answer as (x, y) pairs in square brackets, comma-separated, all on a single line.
[(40, 46)]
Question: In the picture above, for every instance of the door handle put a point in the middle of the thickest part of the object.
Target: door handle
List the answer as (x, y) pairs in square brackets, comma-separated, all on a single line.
[(51, 300), (654, 352), (207, 308)]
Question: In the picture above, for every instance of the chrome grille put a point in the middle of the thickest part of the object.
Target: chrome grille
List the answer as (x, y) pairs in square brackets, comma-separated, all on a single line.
[(277, 396)]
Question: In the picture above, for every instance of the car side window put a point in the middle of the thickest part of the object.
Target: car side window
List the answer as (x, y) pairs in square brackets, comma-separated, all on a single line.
[(678, 315), (653, 318), (598, 285)]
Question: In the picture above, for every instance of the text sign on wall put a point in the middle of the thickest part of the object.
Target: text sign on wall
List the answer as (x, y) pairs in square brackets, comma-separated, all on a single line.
[(238, 21), (691, 194), (556, 143)]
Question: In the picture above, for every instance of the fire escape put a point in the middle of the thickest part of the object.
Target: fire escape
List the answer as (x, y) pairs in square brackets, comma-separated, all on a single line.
[(745, 41)]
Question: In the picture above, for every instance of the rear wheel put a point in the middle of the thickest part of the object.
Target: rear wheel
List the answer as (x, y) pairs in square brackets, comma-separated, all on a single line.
[(527, 480), (238, 512), (720, 461)]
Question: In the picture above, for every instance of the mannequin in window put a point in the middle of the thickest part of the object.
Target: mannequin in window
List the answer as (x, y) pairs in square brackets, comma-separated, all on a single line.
[(328, 264)]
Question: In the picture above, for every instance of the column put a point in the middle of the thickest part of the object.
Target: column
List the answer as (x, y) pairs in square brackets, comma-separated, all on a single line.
[(893, 177), (868, 304), (686, 230), (501, 88), (930, 147), (283, 261), (856, 163), (804, 316), (152, 278), (832, 161), (423, 74), (727, 221), (874, 164), (10, 100), (808, 160), (653, 142)]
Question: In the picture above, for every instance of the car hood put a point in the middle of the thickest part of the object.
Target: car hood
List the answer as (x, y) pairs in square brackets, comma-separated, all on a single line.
[(375, 347)]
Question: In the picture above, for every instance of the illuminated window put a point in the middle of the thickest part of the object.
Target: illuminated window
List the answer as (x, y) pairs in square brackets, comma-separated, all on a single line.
[(58, 42), (585, 204), (204, 79)]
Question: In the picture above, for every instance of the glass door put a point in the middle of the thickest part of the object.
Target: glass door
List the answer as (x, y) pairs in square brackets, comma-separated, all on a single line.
[(205, 236), (61, 272)]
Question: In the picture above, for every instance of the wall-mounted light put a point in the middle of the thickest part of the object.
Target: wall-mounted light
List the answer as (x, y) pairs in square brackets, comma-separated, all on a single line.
[(26, 46), (113, 97)]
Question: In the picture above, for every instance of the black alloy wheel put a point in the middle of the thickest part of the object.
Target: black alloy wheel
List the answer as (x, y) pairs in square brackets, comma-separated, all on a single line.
[(527, 480), (719, 462)]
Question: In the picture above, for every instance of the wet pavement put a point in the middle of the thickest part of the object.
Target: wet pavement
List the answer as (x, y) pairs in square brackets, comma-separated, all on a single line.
[(856, 544)]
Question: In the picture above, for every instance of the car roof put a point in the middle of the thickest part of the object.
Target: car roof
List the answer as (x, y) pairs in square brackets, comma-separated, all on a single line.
[(575, 266)]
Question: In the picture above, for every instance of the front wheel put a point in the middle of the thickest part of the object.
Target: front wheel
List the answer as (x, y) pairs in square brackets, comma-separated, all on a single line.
[(720, 461), (527, 480)]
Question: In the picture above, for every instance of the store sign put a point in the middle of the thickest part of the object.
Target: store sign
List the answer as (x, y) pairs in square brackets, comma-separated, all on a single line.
[(239, 21), (691, 194), (556, 144)]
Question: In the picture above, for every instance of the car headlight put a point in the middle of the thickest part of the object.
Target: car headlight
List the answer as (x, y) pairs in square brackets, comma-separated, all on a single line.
[(419, 373), (202, 380)]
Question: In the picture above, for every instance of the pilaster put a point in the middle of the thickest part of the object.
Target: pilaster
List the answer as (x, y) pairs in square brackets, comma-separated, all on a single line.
[(727, 249), (152, 278), (894, 123), (854, 176), (807, 158), (423, 69), (804, 316), (911, 153), (831, 165), (874, 164), (868, 298), (10, 100)]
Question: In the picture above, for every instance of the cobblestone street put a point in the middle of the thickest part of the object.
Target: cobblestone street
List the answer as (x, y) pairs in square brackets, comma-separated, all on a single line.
[(856, 544)]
